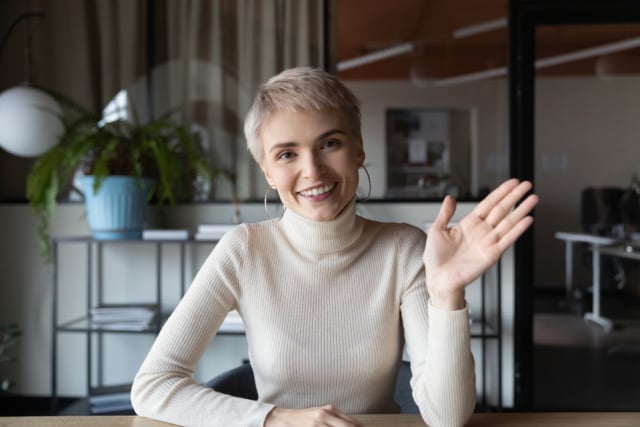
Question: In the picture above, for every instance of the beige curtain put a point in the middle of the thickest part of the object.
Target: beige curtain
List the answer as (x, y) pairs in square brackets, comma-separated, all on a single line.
[(89, 50), (218, 52)]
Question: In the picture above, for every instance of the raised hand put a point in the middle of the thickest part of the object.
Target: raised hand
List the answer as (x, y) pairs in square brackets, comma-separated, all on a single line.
[(456, 256)]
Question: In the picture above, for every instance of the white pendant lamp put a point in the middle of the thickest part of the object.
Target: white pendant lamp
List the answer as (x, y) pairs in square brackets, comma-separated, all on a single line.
[(30, 119)]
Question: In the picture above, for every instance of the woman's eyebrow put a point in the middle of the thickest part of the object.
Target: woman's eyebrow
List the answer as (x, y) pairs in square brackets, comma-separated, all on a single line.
[(291, 144), (279, 145), (331, 132)]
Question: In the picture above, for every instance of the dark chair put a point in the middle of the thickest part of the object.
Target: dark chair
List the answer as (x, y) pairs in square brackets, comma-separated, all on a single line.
[(601, 209), (403, 395), (602, 214), (239, 382)]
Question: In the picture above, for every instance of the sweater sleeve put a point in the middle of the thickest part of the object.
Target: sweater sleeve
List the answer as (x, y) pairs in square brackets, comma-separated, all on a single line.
[(439, 348), (164, 388)]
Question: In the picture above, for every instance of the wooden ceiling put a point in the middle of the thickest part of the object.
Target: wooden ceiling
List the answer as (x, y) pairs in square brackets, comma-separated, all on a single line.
[(366, 26)]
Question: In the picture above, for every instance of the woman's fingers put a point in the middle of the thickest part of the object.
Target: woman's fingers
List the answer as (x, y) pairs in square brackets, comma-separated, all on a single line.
[(505, 207), (488, 203), (338, 421), (516, 222), (515, 215), (336, 418), (499, 204), (311, 417), (447, 209)]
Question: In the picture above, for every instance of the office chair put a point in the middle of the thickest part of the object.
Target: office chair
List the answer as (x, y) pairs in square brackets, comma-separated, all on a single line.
[(600, 210), (602, 214), (240, 382), (402, 394)]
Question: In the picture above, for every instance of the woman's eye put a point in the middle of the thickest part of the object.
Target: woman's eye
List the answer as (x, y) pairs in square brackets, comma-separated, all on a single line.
[(284, 155), (330, 143)]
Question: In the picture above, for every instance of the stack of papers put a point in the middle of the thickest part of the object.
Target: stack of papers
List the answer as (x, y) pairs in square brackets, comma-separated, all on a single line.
[(122, 317), (212, 231)]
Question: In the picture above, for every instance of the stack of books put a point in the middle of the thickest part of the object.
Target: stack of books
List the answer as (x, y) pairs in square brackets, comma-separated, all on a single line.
[(110, 399), (134, 318), (165, 234), (212, 231)]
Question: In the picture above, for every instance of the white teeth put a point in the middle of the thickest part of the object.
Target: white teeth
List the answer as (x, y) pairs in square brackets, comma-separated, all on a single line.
[(317, 191)]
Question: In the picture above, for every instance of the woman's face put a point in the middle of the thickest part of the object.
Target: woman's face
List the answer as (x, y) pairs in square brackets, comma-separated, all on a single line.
[(312, 159)]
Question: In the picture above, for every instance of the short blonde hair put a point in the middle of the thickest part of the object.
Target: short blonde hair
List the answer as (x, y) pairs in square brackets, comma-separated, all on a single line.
[(302, 88)]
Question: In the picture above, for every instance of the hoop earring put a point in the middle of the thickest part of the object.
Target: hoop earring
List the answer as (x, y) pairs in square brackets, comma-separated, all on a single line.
[(266, 208), (369, 180)]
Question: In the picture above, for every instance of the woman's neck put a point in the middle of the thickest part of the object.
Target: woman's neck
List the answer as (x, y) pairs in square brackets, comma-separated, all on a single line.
[(323, 236)]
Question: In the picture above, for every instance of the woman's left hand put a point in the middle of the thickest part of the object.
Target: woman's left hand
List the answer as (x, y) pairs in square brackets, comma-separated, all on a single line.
[(456, 256)]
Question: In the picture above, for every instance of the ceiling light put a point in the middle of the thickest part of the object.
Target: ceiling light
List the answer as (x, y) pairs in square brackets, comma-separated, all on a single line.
[(481, 27), (544, 62), (589, 53), (471, 77), (375, 56)]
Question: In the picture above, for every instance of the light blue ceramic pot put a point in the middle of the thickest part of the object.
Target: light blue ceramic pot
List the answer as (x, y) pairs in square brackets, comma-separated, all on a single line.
[(118, 210)]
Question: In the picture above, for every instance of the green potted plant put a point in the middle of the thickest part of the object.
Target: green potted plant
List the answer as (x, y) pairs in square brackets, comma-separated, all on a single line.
[(161, 157)]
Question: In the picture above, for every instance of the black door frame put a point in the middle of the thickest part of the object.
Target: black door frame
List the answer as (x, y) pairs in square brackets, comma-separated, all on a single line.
[(524, 17)]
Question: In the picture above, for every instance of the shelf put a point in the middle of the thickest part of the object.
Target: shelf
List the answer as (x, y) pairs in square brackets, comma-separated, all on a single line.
[(110, 399), (85, 324), (82, 407), (416, 192), (89, 239), (476, 330), (421, 169)]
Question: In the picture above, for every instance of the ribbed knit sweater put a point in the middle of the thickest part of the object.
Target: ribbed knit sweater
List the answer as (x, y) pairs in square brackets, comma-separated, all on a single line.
[(328, 308)]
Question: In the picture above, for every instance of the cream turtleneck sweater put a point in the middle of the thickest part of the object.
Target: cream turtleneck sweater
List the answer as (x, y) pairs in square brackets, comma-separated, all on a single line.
[(328, 308)]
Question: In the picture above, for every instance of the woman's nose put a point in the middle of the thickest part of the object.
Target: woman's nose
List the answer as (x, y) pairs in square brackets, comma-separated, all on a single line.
[(313, 166)]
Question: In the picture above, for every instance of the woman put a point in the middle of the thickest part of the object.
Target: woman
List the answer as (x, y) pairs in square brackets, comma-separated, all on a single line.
[(329, 299)]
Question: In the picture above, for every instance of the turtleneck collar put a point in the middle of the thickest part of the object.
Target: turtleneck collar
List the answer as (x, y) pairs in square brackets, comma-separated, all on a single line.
[(323, 236)]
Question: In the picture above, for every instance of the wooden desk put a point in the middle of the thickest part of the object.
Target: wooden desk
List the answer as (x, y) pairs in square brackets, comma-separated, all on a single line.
[(539, 419)]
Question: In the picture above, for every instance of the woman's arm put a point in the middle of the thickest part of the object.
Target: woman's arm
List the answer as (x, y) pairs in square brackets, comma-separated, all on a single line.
[(439, 349), (436, 317), (164, 387)]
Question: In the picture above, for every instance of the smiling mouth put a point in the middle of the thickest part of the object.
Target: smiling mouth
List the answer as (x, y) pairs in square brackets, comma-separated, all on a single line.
[(318, 191)]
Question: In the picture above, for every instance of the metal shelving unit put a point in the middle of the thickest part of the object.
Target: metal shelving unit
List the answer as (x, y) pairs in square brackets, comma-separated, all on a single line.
[(95, 298)]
